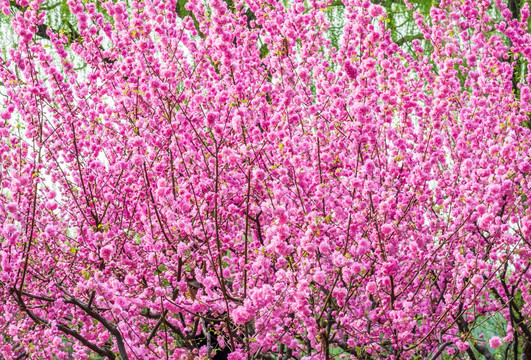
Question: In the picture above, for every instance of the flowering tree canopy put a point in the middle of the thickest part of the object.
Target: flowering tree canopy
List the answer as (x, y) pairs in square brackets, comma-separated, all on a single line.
[(217, 179)]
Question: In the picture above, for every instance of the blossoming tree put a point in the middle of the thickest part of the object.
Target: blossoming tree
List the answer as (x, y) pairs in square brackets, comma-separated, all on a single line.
[(218, 180)]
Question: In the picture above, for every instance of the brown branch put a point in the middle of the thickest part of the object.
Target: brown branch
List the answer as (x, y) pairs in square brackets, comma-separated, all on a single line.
[(409, 38), (62, 327)]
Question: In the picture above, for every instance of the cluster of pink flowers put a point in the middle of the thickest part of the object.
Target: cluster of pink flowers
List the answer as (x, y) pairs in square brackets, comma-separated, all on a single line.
[(186, 192)]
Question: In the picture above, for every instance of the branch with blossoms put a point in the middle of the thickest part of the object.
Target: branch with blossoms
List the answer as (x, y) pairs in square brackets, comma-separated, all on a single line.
[(214, 179)]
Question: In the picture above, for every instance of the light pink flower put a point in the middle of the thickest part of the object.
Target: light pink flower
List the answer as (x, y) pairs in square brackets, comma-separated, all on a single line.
[(376, 11), (319, 277), (241, 315), (371, 287), (495, 342), (477, 280)]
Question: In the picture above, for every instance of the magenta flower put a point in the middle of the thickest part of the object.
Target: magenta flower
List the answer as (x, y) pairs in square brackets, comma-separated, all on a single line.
[(350, 70), (12, 207), (495, 342), (477, 280), (106, 252), (371, 287)]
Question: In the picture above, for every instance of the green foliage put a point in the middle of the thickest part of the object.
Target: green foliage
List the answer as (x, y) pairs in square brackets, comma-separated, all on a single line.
[(264, 51), (182, 13)]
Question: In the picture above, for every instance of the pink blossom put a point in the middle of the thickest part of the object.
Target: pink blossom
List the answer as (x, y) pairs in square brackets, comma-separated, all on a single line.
[(12, 207), (350, 70), (477, 280), (508, 338), (241, 315), (319, 277), (106, 252), (495, 342), (236, 355), (462, 346), (387, 229), (376, 10), (56, 341), (50, 230), (371, 287)]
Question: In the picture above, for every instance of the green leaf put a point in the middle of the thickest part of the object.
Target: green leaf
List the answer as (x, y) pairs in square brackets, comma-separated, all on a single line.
[(264, 51)]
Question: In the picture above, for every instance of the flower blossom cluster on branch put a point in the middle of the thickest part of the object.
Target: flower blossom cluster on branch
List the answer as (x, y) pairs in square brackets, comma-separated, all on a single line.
[(219, 179)]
